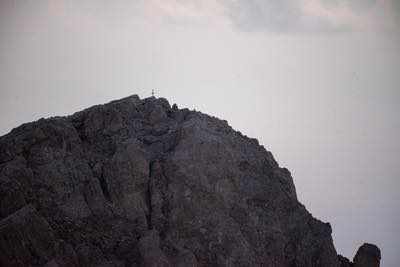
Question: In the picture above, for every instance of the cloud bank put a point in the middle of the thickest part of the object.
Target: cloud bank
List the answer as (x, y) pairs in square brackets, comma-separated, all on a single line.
[(277, 16), (283, 16)]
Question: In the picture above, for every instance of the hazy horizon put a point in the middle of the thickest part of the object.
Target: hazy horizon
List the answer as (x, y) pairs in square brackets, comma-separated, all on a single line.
[(315, 81)]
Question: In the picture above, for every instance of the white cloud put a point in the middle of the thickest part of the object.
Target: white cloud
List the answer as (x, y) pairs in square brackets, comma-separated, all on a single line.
[(309, 15), (283, 16)]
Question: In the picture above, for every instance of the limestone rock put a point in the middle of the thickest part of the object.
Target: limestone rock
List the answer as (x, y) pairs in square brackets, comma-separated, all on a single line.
[(149, 247), (368, 255), (344, 262), (136, 182), (25, 238)]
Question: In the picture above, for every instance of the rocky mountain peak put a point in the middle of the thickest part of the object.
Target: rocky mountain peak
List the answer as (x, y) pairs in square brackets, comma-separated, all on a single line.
[(136, 182)]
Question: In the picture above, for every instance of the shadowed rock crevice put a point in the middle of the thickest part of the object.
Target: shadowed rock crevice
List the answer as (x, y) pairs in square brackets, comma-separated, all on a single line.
[(104, 188), (148, 199), (136, 182), (158, 198)]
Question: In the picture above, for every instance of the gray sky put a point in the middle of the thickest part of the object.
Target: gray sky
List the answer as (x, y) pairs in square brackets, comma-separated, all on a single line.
[(316, 81)]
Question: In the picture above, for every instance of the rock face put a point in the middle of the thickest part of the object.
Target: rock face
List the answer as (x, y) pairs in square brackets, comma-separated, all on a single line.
[(138, 183), (344, 262), (368, 255)]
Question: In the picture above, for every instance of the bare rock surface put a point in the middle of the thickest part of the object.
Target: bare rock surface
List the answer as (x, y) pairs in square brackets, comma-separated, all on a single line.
[(368, 255), (138, 183)]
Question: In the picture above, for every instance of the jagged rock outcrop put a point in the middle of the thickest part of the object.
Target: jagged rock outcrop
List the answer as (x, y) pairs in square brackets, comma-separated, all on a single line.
[(138, 183), (368, 255)]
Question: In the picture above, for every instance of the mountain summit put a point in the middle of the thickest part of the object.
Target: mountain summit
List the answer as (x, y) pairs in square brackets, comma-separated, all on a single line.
[(140, 183)]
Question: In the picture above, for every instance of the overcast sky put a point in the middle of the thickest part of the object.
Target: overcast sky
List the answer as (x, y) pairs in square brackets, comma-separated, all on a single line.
[(316, 81)]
